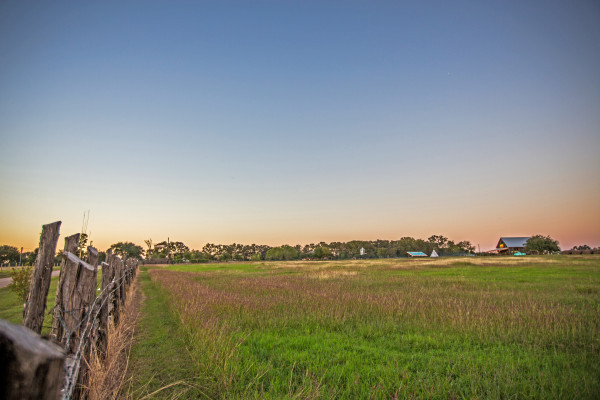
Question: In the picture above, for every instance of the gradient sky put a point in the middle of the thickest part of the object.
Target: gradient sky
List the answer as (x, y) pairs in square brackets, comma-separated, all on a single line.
[(300, 121)]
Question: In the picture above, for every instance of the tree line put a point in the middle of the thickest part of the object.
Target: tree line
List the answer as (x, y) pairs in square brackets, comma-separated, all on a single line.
[(177, 251)]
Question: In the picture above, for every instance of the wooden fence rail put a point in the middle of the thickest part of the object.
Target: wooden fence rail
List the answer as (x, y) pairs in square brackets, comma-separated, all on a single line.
[(80, 321)]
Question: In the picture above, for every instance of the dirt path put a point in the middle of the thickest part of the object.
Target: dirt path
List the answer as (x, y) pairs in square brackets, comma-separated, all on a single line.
[(4, 282)]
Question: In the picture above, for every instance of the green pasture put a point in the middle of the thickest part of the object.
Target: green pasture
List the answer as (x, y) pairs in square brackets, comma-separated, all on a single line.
[(11, 307), (449, 328)]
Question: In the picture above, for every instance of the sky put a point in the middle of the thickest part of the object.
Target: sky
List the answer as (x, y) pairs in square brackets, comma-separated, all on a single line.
[(297, 122)]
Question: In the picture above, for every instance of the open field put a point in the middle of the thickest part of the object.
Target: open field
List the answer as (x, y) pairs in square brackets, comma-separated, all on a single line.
[(449, 328)]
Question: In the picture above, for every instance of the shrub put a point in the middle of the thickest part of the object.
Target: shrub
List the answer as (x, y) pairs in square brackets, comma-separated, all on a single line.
[(20, 281)]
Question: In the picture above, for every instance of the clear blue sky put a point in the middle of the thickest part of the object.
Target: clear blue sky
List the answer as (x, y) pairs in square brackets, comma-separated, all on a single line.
[(293, 122)]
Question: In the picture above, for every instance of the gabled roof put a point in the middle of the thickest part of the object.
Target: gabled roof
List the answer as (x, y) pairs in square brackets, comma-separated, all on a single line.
[(416, 254), (514, 241)]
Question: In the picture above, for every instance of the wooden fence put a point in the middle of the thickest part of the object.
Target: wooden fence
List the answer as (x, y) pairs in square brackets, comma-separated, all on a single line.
[(32, 367)]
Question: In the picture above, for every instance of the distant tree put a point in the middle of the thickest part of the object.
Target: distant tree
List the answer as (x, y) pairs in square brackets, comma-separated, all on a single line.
[(284, 252), (195, 256), (9, 254), (58, 257), (438, 241), (29, 257), (127, 249), (582, 247), (211, 250), (322, 252), (466, 246), (149, 250), (541, 244), (165, 249)]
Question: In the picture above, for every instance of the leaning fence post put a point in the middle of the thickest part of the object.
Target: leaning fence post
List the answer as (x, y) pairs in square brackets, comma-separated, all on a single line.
[(30, 368), (71, 245), (35, 306)]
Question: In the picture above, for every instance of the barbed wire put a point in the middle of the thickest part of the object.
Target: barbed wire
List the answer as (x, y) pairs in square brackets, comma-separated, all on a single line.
[(89, 323)]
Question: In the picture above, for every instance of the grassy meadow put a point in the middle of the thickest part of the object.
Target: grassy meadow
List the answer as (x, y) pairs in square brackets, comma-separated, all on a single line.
[(489, 327)]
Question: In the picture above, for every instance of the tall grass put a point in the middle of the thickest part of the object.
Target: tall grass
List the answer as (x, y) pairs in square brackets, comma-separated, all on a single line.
[(391, 329), (107, 374)]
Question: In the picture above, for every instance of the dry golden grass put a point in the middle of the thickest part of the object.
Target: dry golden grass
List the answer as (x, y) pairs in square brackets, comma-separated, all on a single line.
[(409, 263), (330, 274), (108, 377)]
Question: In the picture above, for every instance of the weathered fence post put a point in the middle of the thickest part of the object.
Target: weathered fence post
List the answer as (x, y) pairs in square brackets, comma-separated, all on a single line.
[(93, 258), (35, 306), (75, 311), (30, 368), (105, 302), (71, 245), (123, 284), (89, 321), (117, 267), (77, 287)]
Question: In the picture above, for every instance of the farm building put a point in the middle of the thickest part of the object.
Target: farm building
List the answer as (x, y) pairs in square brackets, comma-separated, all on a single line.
[(509, 245), (416, 254)]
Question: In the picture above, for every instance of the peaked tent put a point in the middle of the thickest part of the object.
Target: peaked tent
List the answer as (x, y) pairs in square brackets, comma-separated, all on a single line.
[(434, 254)]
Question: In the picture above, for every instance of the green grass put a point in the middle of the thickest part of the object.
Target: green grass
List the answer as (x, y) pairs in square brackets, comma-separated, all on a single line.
[(160, 356), (495, 328), (5, 273), (11, 307)]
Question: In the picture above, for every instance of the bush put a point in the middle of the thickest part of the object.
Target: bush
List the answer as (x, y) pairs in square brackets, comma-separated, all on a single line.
[(20, 281)]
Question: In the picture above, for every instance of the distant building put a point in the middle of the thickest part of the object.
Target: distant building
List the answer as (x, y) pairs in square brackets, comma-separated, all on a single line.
[(511, 244), (416, 254), (362, 251)]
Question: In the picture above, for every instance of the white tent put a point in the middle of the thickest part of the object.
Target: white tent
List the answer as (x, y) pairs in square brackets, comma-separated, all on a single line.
[(434, 254)]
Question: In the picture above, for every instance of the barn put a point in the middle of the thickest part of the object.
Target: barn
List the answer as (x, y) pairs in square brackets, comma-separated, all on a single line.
[(509, 245)]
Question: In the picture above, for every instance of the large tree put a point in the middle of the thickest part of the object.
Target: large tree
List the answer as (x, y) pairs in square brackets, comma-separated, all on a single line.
[(127, 249), (541, 244), (9, 254)]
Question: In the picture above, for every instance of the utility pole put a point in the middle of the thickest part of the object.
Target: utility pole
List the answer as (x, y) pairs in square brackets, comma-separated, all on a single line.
[(21, 257)]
